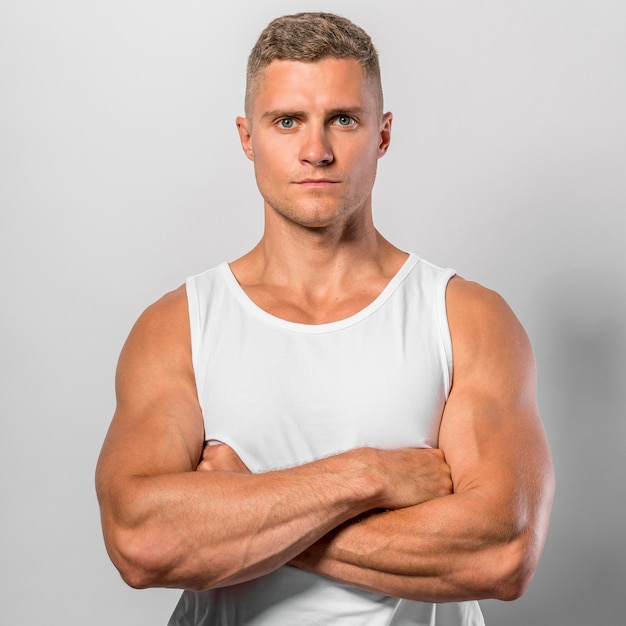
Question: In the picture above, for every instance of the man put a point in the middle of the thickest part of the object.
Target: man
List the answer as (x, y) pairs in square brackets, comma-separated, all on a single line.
[(327, 430)]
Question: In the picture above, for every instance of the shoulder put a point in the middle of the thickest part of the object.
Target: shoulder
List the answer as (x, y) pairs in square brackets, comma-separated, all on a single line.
[(169, 309), (471, 297), (160, 334), (472, 307), (486, 334)]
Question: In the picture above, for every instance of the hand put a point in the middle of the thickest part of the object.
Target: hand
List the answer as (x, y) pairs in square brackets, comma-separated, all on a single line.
[(413, 476), (221, 457)]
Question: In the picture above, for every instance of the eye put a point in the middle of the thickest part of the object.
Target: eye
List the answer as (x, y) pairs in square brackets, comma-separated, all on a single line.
[(345, 120), (286, 123)]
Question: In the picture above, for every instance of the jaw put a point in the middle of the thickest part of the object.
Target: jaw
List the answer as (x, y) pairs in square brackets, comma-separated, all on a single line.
[(319, 225), (315, 209)]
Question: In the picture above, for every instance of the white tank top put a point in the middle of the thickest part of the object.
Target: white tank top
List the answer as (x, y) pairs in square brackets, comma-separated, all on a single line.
[(282, 393)]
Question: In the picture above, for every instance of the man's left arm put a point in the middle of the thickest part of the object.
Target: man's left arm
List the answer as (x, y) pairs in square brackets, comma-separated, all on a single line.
[(484, 540)]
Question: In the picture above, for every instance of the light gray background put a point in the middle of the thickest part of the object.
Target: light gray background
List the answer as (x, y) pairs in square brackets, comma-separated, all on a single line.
[(121, 174)]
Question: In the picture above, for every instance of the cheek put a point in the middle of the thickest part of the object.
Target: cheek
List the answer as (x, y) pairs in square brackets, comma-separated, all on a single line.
[(270, 175), (364, 165), (261, 161), (272, 164)]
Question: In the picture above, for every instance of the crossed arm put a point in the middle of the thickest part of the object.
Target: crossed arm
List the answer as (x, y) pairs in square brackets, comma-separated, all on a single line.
[(470, 527), (484, 539)]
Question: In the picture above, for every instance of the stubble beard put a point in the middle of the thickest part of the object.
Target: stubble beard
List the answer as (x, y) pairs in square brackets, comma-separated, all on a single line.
[(318, 209), (313, 215)]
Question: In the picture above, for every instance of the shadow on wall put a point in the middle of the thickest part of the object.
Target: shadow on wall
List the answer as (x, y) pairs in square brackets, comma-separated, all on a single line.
[(580, 344)]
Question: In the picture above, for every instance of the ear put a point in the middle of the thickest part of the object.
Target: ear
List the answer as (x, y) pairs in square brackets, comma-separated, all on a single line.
[(245, 136), (385, 134)]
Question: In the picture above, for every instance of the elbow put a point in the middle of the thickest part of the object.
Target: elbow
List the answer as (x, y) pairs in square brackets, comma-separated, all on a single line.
[(511, 587), (138, 560), (519, 557), (146, 559), (136, 577), (514, 561), (136, 574), (516, 564)]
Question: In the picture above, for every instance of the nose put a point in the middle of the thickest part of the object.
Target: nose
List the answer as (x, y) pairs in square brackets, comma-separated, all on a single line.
[(316, 149)]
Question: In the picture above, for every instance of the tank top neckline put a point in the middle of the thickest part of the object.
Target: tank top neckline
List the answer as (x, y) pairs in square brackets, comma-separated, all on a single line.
[(251, 307)]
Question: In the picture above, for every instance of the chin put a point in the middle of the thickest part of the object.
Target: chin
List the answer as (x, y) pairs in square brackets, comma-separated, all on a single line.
[(317, 220), (315, 215)]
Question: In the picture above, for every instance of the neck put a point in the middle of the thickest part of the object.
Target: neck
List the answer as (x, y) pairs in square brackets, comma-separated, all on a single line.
[(317, 259), (317, 275)]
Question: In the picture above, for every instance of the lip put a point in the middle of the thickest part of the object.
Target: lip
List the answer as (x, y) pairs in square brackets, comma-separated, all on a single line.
[(316, 182)]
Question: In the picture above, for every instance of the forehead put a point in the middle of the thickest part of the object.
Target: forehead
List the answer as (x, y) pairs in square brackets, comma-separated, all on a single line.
[(327, 84)]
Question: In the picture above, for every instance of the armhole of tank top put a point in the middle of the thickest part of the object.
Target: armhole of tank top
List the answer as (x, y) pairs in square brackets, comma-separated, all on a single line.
[(194, 327), (444, 327)]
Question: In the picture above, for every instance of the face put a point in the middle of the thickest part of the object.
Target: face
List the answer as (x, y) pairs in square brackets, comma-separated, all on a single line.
[(315, 136)]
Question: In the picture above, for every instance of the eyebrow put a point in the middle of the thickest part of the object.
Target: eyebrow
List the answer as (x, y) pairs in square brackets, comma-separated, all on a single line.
[(357, 111)]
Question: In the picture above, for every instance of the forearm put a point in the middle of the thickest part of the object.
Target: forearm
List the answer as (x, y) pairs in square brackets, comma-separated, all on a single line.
[(201, 529), (449, 549)]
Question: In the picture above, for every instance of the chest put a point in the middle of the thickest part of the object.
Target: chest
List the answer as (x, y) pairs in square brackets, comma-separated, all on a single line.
[(283, 398)]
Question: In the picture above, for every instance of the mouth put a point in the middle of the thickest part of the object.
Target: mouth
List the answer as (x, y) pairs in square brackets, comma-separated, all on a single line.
[(316, 182)]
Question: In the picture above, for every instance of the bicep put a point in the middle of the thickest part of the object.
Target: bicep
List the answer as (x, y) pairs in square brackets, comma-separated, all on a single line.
[(491, 432), (157, 427)]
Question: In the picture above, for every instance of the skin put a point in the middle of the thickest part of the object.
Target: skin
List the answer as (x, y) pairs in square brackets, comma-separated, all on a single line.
[(463, 522), (320, 257)]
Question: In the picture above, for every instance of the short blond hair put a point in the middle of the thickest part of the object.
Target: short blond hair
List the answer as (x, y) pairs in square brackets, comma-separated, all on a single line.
[(311, 37)]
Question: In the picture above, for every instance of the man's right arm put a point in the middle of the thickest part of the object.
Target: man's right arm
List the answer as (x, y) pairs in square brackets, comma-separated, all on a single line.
[(167, 525)]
